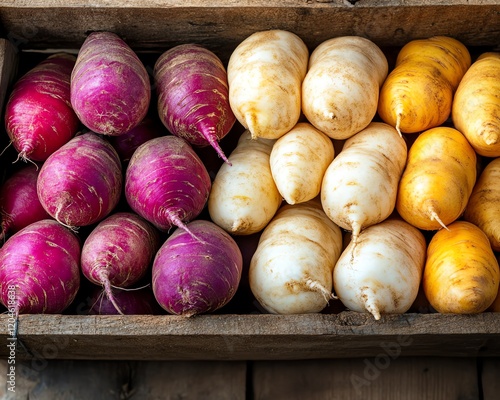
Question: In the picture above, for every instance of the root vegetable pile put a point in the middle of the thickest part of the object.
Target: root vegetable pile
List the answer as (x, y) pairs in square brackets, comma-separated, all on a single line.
[(291, 179)]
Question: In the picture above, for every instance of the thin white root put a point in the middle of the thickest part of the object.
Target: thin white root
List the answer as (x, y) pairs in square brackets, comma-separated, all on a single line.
[(318, 287), (434, 217)]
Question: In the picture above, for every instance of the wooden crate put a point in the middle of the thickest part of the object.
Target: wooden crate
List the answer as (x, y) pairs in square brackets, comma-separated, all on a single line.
[(30, 26)]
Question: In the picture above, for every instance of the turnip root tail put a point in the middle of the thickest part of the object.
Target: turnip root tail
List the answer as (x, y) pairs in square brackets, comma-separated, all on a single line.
[(434, 217), (356, 230), (491, 138), (103, 277), (210, 135), (6, 147), (398, 122), (370, 304), (23, 155), (318, 287), (174, 218)]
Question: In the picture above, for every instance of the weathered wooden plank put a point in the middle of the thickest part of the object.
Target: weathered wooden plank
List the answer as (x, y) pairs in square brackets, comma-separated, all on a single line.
[(82, 380), (221, 25), (217, 380), (8, 69), (264, 336), (62, 380), (490, 378), (377, 378)]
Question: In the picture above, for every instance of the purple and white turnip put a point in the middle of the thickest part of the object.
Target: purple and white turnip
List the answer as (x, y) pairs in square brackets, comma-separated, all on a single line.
[(110, 87), (193, 276), (40, 269), (193, 95), (81, 183), (39, 117), (118, 252), (166, 183)]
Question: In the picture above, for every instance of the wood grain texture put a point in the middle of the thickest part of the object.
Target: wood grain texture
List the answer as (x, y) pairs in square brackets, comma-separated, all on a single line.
[(8, 69), (254, 337), (221, 25), (121, 380), (378, 378), (490, 378)]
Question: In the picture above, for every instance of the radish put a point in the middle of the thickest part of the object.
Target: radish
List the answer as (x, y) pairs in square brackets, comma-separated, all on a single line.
[(19, 204), (38, 117), (40, 269), (118, 252), (81, 183), (291, 269), (110, 87), (381, 272), (197, 276), (126, 144), (193, 102), (130, 302), (166, 183)]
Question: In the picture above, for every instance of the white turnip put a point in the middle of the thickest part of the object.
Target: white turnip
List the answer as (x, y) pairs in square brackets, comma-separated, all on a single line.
[(381, 272), (244, 196), (265, 74), (360, 186), (291, 269)]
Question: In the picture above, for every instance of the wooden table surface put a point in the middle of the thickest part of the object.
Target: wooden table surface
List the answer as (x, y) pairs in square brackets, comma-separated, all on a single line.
[(428, 378)]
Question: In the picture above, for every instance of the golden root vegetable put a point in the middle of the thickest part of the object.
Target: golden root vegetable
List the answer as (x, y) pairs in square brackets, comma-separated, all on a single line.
[(483, 208), (418, 93), (291, 269), (381, 272), (244, 197), (360, 186), (265, 74), (461, 273), (476, 105), (341, 89), (438, 179), (299, 160)]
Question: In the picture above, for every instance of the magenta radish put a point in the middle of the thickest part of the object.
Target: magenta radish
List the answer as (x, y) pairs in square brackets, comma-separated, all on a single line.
[(193, 95), (19, 204), (166, 183), (197, 276), (81, 183), (39, 117), (118, 252), (126, 144), (130, 302), (110, 87), (40, 269)]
